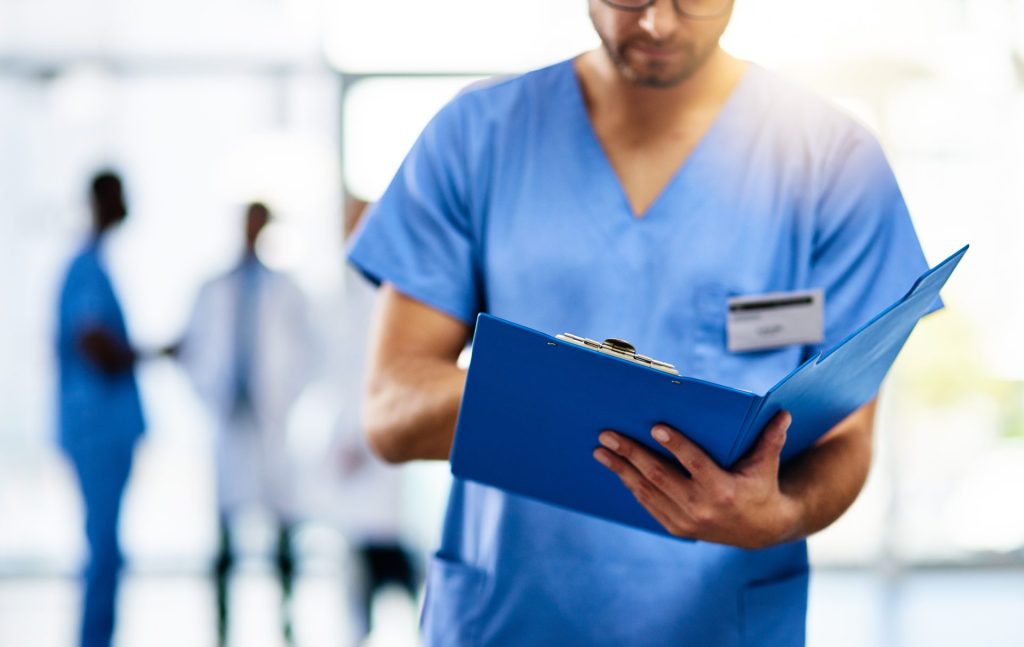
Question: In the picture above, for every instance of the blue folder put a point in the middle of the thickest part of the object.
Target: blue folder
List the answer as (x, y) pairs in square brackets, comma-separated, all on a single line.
[(534, 405)]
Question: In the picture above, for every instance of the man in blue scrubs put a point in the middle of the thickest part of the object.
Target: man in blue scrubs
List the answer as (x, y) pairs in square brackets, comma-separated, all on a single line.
[(100, 411), (629, 193)]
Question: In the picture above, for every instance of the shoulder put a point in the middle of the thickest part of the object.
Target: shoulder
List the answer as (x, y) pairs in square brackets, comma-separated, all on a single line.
[(83, 269), (822, 131), (503, 92), (282, 283), (222, 280), (216, 287), (87, 259), (503, 101)]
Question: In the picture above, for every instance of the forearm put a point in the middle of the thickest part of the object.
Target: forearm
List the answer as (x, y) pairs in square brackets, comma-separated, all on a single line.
[(823, 482), (411, 409), (106, 351)]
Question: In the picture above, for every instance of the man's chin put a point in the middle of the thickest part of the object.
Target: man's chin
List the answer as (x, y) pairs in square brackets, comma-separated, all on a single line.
[(653, 76)]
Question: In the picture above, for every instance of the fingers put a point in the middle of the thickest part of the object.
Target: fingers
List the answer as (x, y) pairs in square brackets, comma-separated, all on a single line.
[(701, 466), (651, 497), (666, 477)]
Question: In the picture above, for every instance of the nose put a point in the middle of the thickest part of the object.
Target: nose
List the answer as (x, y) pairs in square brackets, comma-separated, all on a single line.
[(659, 19)]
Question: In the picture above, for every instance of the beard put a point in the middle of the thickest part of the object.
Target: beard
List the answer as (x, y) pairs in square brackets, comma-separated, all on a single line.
[(656, 73)]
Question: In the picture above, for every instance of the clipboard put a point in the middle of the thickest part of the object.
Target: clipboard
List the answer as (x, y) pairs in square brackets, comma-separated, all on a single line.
[(534, 404)]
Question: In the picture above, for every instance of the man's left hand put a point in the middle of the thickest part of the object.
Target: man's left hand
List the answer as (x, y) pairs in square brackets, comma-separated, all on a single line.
[(742, 507)]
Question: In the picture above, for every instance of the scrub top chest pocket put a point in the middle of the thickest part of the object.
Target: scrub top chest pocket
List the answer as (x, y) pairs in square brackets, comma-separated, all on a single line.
[(773, 320)]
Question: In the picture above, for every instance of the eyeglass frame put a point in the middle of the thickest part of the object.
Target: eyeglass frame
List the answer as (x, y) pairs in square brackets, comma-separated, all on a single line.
[(726, 5)]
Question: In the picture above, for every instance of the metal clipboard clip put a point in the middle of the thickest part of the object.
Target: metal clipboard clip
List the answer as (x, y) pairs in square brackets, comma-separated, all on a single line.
[(621, 349)]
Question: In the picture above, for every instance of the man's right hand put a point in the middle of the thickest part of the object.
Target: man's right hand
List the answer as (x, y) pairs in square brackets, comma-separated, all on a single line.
[(414, 388), (106, 351)]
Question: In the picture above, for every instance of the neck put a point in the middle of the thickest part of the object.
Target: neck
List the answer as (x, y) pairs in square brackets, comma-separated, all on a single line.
[(249, 255), (613, 97)]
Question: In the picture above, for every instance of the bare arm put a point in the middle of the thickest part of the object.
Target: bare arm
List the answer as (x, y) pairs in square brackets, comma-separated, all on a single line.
[(825, 481), (755, 504), (106, 351), (414, 387)]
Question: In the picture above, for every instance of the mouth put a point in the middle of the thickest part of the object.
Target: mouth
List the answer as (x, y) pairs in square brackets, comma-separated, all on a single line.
[(649, 50)]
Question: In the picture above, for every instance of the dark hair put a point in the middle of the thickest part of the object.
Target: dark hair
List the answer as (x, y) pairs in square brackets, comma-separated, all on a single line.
[(258, 206), (106, 187)]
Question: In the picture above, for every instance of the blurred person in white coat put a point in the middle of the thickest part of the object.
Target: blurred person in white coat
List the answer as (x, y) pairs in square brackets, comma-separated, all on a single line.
[(370, 492), (248, 350)]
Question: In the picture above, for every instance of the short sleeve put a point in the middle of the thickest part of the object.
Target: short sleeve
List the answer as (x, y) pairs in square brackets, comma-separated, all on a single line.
[(419, 236), (866, 253)]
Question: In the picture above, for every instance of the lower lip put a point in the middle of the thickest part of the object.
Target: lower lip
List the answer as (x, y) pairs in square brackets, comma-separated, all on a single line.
[(652, 52)]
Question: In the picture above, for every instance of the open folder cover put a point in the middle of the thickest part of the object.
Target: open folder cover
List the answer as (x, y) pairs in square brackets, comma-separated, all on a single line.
[(534, 405)]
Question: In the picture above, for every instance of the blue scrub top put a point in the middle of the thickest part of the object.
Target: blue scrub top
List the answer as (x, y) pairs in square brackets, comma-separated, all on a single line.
[(508, 204), (95, 408)]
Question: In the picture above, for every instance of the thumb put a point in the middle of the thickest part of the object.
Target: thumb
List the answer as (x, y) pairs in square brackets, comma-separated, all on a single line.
[(768, 448)]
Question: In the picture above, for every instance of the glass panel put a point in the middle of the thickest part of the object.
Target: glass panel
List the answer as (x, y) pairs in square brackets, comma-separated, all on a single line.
[(383, 118)]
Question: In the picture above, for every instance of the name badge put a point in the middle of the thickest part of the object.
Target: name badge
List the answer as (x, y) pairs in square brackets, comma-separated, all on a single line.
[(776, 319)]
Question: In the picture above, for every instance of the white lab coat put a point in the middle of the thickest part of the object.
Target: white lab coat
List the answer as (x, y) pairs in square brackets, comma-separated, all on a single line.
[(370, 492), (253, 462)]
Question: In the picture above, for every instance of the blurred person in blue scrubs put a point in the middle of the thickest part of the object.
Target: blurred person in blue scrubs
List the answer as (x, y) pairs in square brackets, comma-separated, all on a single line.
[(629, 192), (248, 350), (100, 413)]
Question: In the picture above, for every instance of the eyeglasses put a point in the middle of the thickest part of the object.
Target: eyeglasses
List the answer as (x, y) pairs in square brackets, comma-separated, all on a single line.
[(690, 8)]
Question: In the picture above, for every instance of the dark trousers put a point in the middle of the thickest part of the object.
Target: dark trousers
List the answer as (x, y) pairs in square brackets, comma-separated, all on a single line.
[(382, 564), (283, 560), (102, 475)]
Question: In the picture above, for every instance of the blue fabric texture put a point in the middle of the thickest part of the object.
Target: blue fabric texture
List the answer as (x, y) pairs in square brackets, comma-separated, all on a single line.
[(100, 419), (93, 406), (507, 204), (102, 477)]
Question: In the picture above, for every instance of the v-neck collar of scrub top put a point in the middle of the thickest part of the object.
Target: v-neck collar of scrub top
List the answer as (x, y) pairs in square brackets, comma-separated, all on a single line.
[(682, 175)]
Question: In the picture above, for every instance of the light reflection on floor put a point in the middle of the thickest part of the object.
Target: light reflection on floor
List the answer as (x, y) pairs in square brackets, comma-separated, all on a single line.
[(848, 609), (171, 611), (930, 608)]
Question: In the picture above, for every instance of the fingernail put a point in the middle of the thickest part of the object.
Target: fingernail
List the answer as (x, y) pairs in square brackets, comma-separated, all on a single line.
[(660, 434), (601, 458), (608, 441)]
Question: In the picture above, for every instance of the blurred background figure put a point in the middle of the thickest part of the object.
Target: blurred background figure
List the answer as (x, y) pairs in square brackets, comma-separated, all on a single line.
[(247, 349), (99, 410), (371, 492)]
